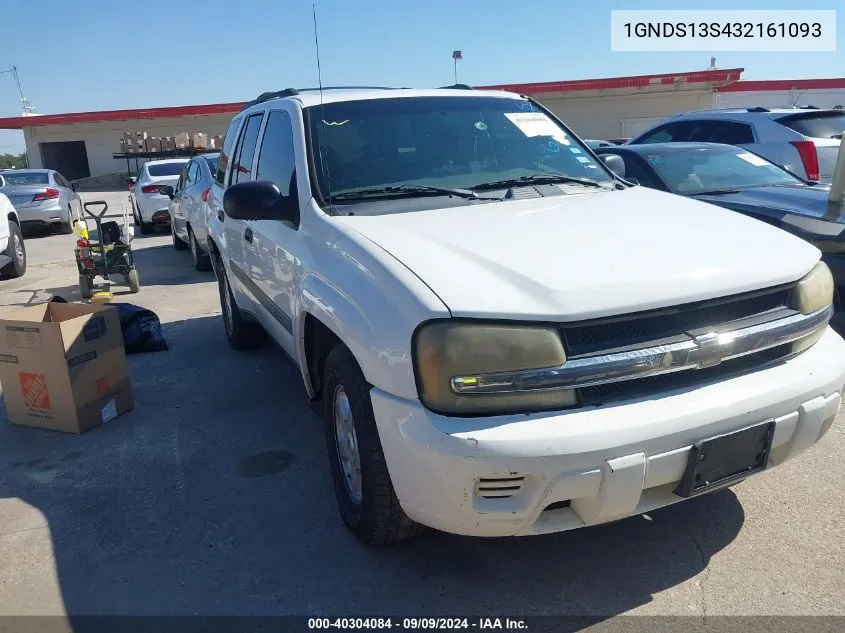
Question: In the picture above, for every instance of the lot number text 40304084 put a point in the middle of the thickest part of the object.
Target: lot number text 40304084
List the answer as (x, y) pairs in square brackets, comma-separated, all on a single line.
[(411, 624)]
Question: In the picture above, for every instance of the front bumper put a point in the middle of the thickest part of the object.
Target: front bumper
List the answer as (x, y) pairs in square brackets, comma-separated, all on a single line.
[(498, 476)]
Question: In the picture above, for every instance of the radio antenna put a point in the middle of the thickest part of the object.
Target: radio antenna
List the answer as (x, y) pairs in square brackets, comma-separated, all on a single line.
[(324, 164)]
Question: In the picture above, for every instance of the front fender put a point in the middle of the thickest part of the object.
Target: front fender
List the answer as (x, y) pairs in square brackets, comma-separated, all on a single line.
[(380, 344)]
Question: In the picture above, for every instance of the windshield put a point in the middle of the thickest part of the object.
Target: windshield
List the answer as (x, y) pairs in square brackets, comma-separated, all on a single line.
[(166, 169), (448, 142), (25, 178), (696, 170)]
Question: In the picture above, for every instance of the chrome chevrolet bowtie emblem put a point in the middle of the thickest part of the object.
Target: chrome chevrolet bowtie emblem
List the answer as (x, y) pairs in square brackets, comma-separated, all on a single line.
[(710, 350)]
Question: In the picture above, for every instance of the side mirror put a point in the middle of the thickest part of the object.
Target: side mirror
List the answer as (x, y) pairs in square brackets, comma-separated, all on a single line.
[(166, 190), (259, 200), (74, 185), (614, 163)]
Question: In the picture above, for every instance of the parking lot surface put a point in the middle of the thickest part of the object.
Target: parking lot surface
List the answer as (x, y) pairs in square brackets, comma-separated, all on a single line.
[(213, 496)]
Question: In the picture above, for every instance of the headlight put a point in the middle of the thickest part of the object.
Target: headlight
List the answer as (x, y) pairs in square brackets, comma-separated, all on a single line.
[(815, 290), (456, 364)]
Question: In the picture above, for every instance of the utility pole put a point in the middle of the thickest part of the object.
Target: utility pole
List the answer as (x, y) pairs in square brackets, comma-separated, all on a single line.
[(456, 55), (26, 107)]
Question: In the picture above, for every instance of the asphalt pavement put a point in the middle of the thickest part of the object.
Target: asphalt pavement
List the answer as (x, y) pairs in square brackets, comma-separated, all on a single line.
[(213, 497)]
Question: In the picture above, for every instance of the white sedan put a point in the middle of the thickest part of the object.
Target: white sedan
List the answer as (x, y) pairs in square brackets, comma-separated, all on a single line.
[(149, 206)]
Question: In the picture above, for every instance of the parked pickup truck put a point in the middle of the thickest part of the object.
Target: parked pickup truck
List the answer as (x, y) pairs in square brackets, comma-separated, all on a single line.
[(12, 249), (505, 337)]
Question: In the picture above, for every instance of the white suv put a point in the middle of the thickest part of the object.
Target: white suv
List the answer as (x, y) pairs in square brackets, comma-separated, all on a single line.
[(12, 249), (507, 339)]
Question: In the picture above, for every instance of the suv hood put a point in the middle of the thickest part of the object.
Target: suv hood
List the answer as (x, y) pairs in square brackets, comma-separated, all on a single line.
[(588, 255)]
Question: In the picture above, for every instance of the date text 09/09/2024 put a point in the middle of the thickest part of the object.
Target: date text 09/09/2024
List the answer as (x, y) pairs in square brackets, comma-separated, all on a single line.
[(727, 29), (409, 624)]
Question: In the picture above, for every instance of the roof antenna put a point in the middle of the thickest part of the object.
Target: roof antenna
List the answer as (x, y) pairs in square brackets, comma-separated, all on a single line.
[(323, 159)]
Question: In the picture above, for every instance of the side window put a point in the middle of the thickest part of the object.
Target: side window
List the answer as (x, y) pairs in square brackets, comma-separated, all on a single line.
[(276, 160), (669, 133), (634, 170), (731, 133), (228, 145), (180, 184), (193, 173), (61, 181), (242, 168)]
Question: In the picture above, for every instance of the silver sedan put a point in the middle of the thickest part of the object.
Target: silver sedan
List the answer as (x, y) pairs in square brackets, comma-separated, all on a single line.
[(42, 198), (188, 207)]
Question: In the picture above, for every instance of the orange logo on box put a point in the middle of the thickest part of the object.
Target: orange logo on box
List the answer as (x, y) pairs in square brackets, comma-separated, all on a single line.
[(34, 389), (103, 386)]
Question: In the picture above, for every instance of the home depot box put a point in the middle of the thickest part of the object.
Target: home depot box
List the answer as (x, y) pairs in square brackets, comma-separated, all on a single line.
[(199, 140), (62, 366), (182, 140)]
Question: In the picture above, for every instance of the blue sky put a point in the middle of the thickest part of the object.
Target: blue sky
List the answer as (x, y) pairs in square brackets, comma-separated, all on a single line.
[(102, 54)]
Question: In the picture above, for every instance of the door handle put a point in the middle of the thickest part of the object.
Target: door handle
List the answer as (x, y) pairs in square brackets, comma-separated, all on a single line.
[(248, 234)]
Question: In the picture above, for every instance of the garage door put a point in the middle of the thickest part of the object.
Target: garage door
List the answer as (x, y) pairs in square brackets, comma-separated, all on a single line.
[(69, 158)]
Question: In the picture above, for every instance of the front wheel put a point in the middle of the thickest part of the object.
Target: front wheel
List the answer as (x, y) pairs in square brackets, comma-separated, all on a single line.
[(178, 242), (16, 251), (365, 495), (202, 261)]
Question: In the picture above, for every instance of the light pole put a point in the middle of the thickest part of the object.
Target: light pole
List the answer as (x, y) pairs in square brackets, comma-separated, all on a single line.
[(26, 106), (456, 55)]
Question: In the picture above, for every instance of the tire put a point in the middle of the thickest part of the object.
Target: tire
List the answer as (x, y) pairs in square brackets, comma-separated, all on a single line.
[(133, 280), (67, 227), (178, 243), (16, 251), (367, 502), (146, 227), (202, 262), (241, 334), (85, 289)]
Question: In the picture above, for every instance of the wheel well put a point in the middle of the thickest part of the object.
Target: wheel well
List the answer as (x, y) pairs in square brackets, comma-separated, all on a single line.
[(14, 218), (319, 341)]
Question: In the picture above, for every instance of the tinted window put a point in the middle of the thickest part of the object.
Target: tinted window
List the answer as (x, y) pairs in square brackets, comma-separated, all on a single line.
[(60, 180), (25, 178), (696, 170), (633, 170), (165, 169), (276, 161), (242, 169), (228, 144), (728, 132), (212, 164), (816, 125), (182, 178), (440, 141), (193, 173), (671, 132)]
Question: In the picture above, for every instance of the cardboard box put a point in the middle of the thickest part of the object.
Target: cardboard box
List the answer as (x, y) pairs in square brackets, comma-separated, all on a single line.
[(199, 140), (168, 144), (152, 144), (183, 140), (63, 367), (215, 142)]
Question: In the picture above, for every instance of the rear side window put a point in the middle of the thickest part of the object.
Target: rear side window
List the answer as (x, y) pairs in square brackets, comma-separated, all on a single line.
[(728, 132), (228, 144), (276, 161), (669, 133), (816, 124), (242, 169)]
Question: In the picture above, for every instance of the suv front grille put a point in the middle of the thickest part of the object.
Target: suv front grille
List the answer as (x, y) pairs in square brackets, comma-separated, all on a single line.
[(603, 335)]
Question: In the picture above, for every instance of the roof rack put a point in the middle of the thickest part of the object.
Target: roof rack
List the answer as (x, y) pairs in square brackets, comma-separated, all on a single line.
[(290, 92), (456, 87)]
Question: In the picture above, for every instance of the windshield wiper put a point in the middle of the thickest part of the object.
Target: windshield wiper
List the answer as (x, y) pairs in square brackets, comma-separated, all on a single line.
[(537, 179), (403, 190)]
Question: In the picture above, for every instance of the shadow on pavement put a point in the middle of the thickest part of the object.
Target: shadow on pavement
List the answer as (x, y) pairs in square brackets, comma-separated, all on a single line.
[(213, 497), (165, 266)]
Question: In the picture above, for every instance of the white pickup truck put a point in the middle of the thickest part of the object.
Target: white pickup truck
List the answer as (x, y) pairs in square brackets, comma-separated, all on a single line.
[(12, 249), (506, 338)]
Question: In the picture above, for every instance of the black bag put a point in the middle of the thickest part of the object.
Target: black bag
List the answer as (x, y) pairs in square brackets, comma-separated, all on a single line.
[(141, 329)]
